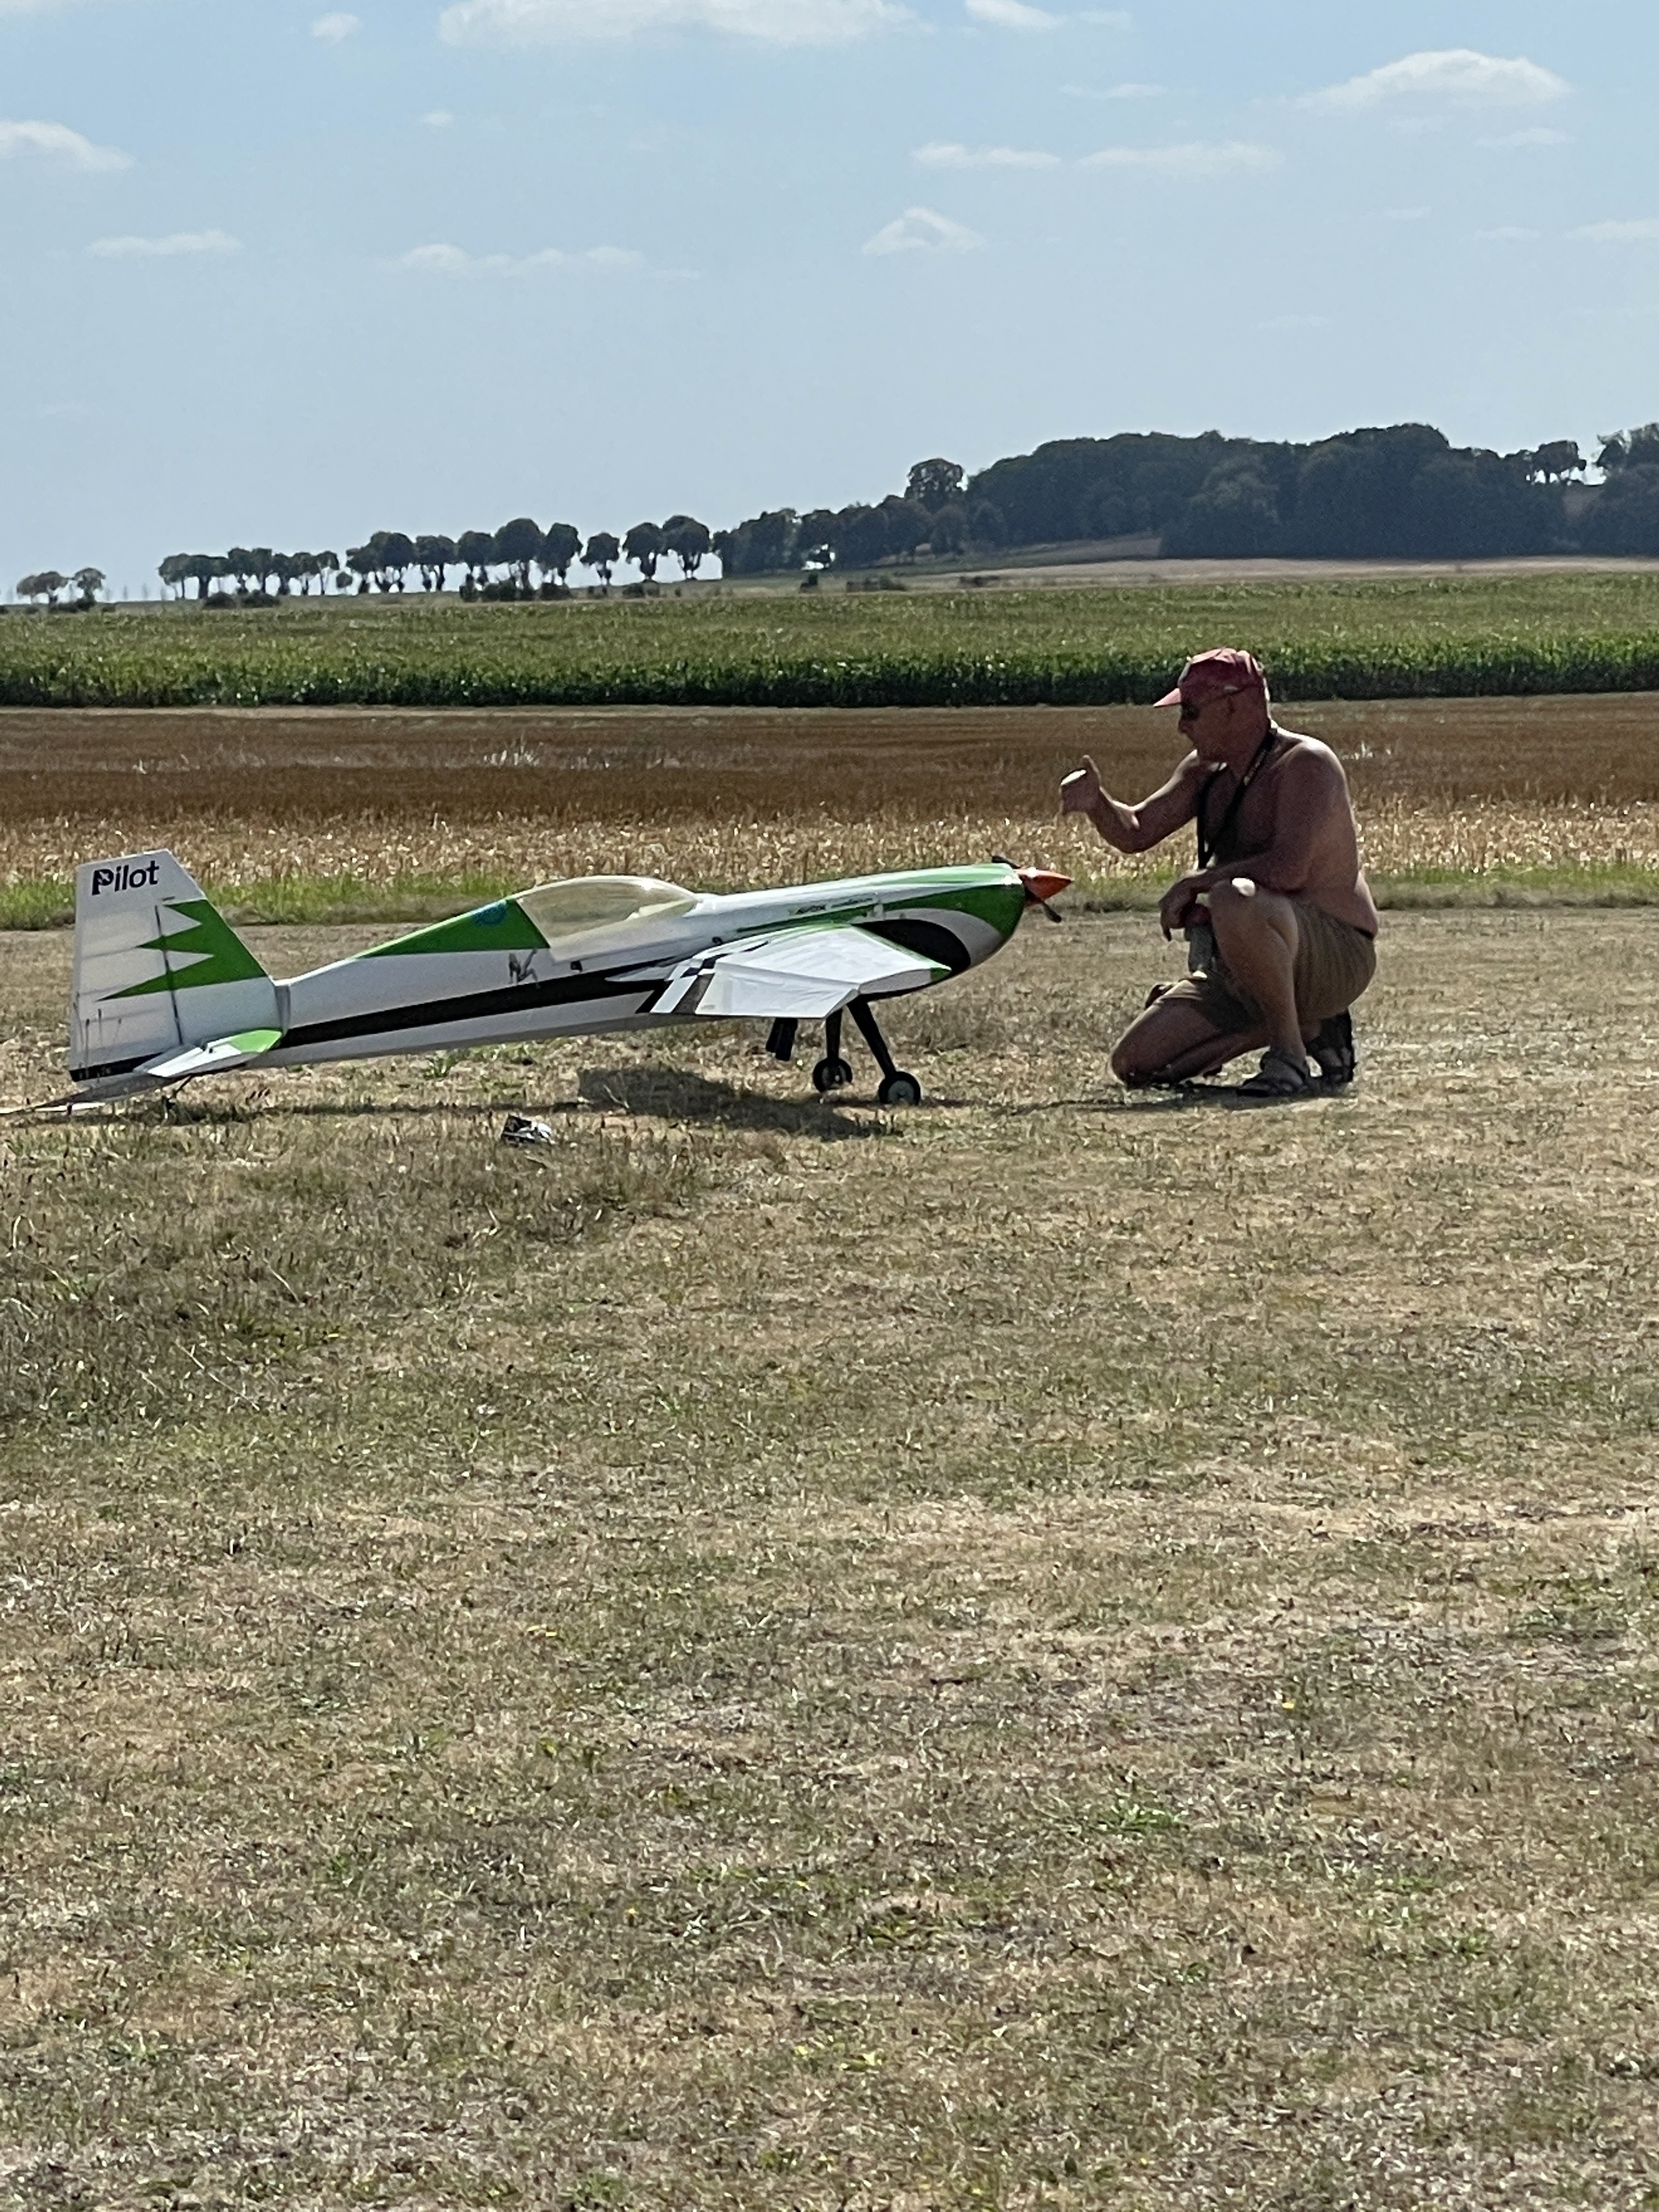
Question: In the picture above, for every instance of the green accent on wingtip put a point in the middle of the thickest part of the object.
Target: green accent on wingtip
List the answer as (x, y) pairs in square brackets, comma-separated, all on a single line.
[(503, 928), (252, 1040), (215, 952)]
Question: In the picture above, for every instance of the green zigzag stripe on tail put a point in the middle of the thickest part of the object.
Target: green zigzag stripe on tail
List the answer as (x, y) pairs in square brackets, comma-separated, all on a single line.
[(216, 954)]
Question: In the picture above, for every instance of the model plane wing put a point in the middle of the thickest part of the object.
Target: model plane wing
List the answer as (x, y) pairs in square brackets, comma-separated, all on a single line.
[(802, 974)]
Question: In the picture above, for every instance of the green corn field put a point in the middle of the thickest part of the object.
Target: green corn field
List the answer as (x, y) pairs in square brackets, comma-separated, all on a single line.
[(1397, 637)]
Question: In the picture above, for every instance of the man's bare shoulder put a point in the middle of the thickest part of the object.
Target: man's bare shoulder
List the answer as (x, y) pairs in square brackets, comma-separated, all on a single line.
[(1312, 754)]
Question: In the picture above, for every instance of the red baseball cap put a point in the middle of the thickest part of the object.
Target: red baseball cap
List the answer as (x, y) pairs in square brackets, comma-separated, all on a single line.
[(1213, 674)]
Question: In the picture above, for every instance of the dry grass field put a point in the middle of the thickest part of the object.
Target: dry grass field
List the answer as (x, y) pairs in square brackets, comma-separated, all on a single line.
[(1057, 1649), (332, 814)]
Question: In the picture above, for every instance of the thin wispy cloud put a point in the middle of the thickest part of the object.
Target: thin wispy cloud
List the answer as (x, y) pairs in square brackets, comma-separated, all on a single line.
[(56, 142), (923, 230), (939, 155), (1194, 162), (1114, 91), (438, 119), (1505, 234), (1618, 233), (332, 28), (441, 260), (556, 22), (1406, 214), (1455, 74), (1539, 135), (175, 242), (1013, 16)]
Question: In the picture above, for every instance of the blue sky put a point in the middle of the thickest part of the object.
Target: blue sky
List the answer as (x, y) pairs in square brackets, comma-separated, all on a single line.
[(281, 274)]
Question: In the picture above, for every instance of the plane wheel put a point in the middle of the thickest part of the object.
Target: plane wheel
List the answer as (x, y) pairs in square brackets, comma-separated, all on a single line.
[(831, 1075), (899, 1089)]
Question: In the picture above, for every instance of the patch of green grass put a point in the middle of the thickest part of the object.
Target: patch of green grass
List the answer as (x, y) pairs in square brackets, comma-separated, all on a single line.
[(49, 903)]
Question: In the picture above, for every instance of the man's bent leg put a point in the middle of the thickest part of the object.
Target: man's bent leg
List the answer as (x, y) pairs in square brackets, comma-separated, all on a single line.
[(1175, 1040), (1256, 934)]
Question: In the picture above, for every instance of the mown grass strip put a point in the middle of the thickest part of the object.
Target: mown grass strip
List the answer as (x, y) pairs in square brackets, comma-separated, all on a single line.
[(1394, 638)]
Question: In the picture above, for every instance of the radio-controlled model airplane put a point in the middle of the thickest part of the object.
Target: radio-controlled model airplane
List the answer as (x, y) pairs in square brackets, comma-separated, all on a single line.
[(164, 988)]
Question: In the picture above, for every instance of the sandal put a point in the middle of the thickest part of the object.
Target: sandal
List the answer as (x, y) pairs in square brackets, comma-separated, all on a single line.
[(1277, 1077), (1334, 1048)]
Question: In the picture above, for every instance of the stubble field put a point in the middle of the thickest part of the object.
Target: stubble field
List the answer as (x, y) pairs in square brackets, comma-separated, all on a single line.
[(1054, 1649), (396, 815)]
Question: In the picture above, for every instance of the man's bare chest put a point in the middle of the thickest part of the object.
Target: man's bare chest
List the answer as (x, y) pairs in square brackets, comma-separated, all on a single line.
[(1235, 815)]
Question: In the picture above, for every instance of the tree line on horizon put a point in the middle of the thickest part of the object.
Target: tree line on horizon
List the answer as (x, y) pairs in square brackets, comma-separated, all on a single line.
[(1402, 492), (383, 560)]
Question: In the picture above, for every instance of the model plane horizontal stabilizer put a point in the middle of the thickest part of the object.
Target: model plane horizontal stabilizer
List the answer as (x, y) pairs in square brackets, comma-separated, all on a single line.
[(800, 975), (210, 1059)]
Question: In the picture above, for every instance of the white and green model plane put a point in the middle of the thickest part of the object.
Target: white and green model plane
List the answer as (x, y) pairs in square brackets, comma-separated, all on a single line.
[(164, 989)]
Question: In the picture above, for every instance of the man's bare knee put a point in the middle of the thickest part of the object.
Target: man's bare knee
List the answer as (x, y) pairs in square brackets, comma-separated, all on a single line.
[(1128, 1064), (1240, 911)]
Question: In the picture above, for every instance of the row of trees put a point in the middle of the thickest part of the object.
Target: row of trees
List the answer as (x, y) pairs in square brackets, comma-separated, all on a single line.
[(1400, 492), (50, 586), (496, 563)]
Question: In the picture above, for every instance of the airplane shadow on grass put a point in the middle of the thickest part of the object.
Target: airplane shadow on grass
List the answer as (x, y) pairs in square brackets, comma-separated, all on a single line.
[(674, 1094)]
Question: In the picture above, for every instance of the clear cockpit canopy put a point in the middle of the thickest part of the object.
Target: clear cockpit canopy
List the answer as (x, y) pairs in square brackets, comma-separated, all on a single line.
[(586, 903)]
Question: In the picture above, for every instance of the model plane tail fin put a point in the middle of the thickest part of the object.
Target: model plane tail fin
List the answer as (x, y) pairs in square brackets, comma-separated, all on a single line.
[(159, 973)]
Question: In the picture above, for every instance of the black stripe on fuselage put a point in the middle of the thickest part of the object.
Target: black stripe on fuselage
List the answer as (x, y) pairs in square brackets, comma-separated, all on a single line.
[(481, 1005), (931, 940)]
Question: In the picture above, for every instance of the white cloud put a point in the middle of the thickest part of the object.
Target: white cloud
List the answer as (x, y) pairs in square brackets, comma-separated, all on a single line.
[(778, 23), (919, 230), (1114, 91), (1193, 162), (1538, 135), (57, 143), (1456, 74), (938, 155), (438, 119), (1013, 16), (1115, 19), (1505, 234), (1618, 233), (176, 242), (438, 260), (333, 29), (1405, 215)]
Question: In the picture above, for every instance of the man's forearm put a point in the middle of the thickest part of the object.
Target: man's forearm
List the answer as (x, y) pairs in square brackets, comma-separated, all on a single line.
[(1119, 825)]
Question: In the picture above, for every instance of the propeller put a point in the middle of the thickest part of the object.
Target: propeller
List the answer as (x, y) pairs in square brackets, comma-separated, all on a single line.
[(1041, 885)]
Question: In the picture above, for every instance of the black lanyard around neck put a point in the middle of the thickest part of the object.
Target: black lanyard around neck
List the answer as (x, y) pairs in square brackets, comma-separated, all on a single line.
[(1209, 848)]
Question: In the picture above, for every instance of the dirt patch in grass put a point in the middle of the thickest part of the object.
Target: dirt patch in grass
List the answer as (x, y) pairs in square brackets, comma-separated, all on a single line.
[(1053, 1650)]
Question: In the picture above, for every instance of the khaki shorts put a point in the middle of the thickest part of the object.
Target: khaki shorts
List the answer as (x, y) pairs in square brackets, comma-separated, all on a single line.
[(1334, 962)]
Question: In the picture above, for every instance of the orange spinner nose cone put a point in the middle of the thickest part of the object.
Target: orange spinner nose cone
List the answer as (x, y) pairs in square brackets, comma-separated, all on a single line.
[(1042, 884)]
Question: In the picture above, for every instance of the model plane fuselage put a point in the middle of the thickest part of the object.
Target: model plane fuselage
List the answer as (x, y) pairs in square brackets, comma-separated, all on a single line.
[(164, 989)]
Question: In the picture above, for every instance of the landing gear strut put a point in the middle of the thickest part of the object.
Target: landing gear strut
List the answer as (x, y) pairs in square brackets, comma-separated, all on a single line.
[(832, 1071), (834, 1074)]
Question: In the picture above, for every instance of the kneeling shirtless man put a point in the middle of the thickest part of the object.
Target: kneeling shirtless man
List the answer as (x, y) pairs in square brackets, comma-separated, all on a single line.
[(1278, 913)]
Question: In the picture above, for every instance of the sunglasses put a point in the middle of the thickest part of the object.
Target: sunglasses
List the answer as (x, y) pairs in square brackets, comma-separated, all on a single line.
[(1190, 712)]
